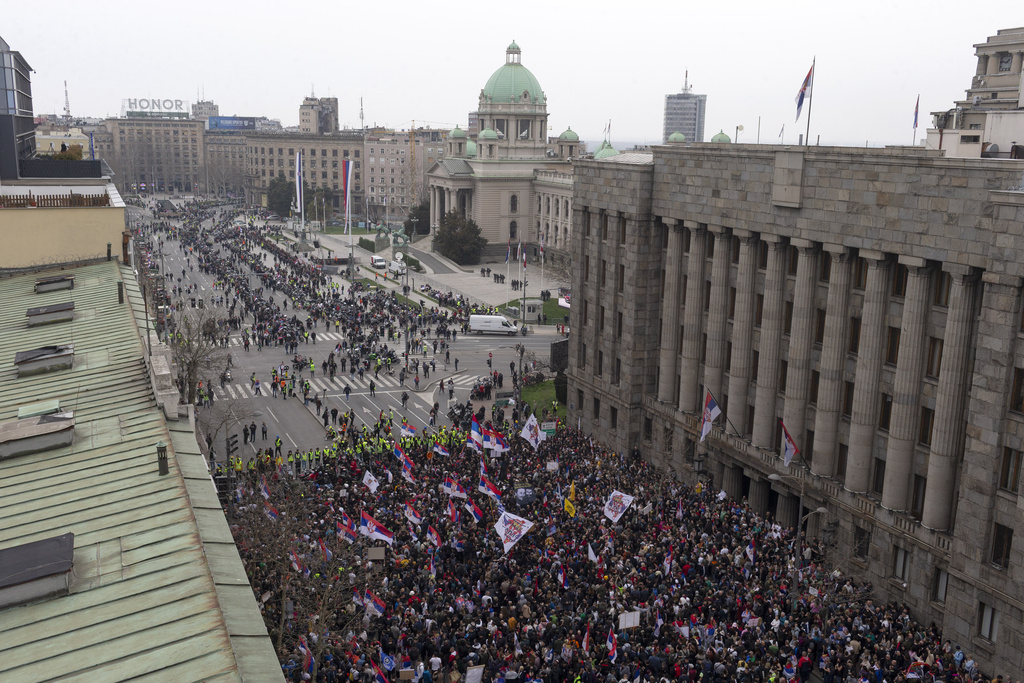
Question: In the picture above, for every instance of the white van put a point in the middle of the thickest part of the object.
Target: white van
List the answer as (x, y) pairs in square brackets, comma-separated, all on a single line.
[(396, 268), (378, 262), (491, 323)]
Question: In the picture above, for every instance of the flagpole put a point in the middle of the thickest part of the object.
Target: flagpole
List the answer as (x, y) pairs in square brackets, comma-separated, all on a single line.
[(810, 102)]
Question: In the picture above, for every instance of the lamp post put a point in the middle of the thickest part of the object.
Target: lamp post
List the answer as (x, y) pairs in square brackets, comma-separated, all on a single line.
[(798, 551)]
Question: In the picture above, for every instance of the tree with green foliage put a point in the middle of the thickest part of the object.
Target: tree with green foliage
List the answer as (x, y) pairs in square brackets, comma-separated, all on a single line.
[(280, 195), (421, 212), (459, 239)]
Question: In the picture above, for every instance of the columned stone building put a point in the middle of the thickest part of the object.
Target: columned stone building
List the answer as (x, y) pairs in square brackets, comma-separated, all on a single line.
[(512, 179), (870, 300)]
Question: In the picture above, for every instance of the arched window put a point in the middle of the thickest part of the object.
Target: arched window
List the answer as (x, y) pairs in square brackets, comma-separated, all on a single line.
[(566, 214), (538, 203), (556, 208), (513, 204), (547, 206), (513, 228)]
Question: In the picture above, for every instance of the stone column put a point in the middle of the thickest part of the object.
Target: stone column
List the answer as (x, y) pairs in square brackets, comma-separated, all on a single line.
[(833, 359), (771, 342), (954, 384), (801, 337), (668, 360), (787, 512), (742, 333), (732, 481), (982, 65), (693, 315), (906, 393), (718, 312), (1015, 68), (759, 495), (864, 420)]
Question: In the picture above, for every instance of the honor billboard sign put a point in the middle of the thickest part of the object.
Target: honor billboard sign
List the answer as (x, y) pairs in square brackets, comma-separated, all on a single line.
[(154, 106)]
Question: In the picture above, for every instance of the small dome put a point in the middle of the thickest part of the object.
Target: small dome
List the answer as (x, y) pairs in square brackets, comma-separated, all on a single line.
[(605, 150), (456, 133), (721, 137), (470, 148), (512, 46), (569, 135), (677, 137), (488, 134)]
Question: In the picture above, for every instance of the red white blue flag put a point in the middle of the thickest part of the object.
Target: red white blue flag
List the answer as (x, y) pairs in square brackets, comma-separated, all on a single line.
[(789, 448), (412, 515), (487, 488), (474, 510), (433, 536), (711, 411), (613, 651), (453, 488), (805, 91), (368, 526)]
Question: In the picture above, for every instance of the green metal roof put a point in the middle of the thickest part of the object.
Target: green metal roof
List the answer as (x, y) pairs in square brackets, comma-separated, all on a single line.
[(470, 148), (677, 137), (605, 150), (488, 134), (456, 133), (513, 82), (720, 136), (144, 600), (569, 135)]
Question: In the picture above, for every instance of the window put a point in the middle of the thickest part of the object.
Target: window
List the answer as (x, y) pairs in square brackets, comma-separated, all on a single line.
[(707, 296), (934, 357), (819, 327), (815, 381), (513, 227), (1009, 473), (583, 361), (793, 257), (861, 542), (586, 268), (808, 452), (848, 399), (604, 272), (732, 303), (841, 457), (597, 408), (854, 335), (735, 250), (1017, 397), (942, 285), (618, 324), (613, 417), (622, 277), (709, 245), (787, 317), (899, 281), (758, 310), (885, 412), (1002, 539), (917, 498), (622, 226), (878, 481), (783, 372), (927, 416), (600, 363), (513, 204), (988, 622), (704, 348), (860, 273), (586, 311), (604, 226), (728, 358), (940, 584), (892, 353), (900, 563), (826, 267), (762, 255), (648, 429), (755, 360), (616, 378), (600, 319)]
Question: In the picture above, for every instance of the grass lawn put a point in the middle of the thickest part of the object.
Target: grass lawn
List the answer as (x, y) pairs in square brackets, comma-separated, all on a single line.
[(551, 309), (369, 284), (340, 230), (541, 395)]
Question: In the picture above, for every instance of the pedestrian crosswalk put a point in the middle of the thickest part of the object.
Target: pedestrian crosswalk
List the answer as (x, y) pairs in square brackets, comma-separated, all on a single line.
[(331, 338), (319, 385)]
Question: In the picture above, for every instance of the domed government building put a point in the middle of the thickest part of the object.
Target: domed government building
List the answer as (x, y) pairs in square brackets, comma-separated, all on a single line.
[(512, 179)]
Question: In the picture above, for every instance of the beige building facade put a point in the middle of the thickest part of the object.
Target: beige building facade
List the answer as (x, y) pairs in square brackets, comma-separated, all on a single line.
[(872, 301), (396, 169), (157, 154)]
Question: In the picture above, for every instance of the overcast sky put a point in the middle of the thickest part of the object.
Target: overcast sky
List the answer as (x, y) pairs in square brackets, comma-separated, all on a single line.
[(596, 61)]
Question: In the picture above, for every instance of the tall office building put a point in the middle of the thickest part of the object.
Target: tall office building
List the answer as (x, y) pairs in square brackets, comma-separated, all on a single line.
[(318, 115), (17, 128), (684, 113)]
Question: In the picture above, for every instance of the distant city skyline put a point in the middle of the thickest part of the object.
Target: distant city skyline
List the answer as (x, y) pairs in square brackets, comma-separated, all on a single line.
[(603, 63)]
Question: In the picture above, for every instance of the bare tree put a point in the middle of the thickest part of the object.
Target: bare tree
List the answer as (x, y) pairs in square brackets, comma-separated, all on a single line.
[(195, 348)]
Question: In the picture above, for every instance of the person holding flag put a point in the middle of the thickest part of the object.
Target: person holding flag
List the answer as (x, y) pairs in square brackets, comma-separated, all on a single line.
[(613, 651)]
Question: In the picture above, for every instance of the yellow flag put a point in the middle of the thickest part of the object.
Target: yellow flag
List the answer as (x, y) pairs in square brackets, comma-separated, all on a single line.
[(570, 508), (572, 492)]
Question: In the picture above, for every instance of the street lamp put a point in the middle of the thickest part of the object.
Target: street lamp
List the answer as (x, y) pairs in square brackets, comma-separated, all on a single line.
[(798, 551)]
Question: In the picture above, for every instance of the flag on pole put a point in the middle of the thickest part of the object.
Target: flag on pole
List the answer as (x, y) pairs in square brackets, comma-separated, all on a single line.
[(387, 661), (346, 189), (586, 640), (917, 105), (453, 488), (378, 675), (298, 180), (478, 515), (610, 643), (487, 488), (711, 411), (508, 252), (668, 563), (270, 510), (519, 249), (562, 580), (370, 481), (789, 446), (805, 91), (433, 536), (368, 526), (750, 550), (407, 429), (475, 434), (325, 550), (659, 622), (433, 567), (411, 514), (373, 603), (441, 450), (592, 555), (264, 489)]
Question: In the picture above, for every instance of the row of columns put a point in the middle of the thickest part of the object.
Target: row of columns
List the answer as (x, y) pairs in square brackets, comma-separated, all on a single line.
[(906, 409)]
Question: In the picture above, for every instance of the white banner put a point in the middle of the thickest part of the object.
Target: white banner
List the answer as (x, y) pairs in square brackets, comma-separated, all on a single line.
[(511, 528), (531, 432), (617, 504), (370, 481)]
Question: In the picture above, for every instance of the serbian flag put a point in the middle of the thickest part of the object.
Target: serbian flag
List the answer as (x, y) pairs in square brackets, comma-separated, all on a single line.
[(348, 533), (917, 105), (453, 512), (307, 656), (357, 596), (488, 438), (613, 651), (441, 450), (475, 435), (711, 411), (508, 252), (561, 577), (668, 563), (270, 510), (483, 466), (407, 429), (412, 515), (499, 444), (524, 262), (264, 489), (433, 536), (586, 640), (789, 448), (488, 489), (373, 603), (474, 510), (378, 675), (750, 550), (407, 472), (325, 550), (294, 558), (453, 488), (399, 453), (407, 461), (368, 526), (805, 91)]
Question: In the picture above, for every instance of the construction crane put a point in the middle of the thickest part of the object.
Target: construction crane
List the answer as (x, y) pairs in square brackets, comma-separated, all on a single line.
[(67, 105)]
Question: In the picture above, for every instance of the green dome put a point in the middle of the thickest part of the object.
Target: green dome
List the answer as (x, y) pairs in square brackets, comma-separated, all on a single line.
[(569, 135), (512, 46), (721, 137), (456, 133), (605, 150), (470, 148), (512, 81), (677, 137), (488, 134)]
